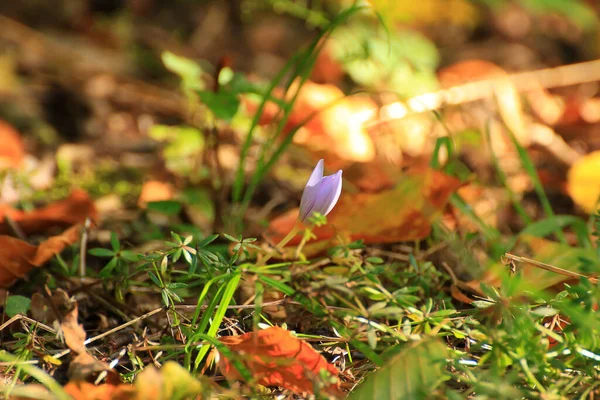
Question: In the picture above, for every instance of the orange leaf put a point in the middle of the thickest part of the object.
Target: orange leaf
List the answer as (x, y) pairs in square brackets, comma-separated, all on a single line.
[(73, 331), (336, 124), (17, 257), (72, 210), (277, 358), (81, 390), (154, 191), (403, 213), (12, 150)]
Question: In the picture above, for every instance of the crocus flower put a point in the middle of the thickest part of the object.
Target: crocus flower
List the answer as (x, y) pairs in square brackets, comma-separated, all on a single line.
[(321, 192)]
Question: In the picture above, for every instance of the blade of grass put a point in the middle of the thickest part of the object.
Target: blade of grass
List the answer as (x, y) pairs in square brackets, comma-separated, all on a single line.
[(502, 178), (38, 374), (226, 299), (304, 64), (537, 184)]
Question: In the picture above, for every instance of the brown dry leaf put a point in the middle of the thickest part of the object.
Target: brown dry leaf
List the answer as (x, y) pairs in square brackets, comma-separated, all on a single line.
[(154, 191), (277, 358), (72, 210), (403, 213), (17, 257), (83, 364), (12, 149), (583, 181), (73, 331), (44, 311)]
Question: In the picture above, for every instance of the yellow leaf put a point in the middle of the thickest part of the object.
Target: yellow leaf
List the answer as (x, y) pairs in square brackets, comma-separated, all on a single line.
[(583, 181)]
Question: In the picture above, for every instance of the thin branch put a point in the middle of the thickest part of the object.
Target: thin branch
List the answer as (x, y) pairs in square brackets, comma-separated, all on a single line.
[(547, 267)]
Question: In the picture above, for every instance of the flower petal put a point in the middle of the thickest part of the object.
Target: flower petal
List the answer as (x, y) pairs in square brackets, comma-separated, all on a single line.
[(307, 203), (322, 197), (316, 175), (336, 183)]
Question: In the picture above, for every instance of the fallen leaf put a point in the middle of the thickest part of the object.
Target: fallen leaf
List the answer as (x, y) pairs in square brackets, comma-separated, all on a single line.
[(333, 123), (83, 365), (583, 182), (403, 213), (81, 390), (12, 150), (155, 191), (171, 382), (73, 331), (277, 358), (17, 257), (46, 311), (72, 210)]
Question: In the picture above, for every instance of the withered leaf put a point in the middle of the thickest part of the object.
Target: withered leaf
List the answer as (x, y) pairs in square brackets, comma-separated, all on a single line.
[(277, 358), (17, 257)]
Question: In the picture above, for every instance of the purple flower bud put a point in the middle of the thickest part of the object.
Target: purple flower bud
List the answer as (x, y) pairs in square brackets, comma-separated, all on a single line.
[(321, 192)]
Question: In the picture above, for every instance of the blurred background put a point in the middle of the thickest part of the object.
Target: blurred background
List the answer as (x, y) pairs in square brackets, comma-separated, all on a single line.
[(100, 94)]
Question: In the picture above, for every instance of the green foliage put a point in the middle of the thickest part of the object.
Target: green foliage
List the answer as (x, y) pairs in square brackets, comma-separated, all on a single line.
[(167, 207), (414, 373), (404, 62), (16, 304), (223, 104), (188, 70), (183, 147)]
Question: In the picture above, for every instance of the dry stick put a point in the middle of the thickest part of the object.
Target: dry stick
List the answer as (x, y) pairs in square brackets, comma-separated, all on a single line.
[(156, 311), (566, 75), (118, 328), (83, 247), (19, 317), (549, 267)]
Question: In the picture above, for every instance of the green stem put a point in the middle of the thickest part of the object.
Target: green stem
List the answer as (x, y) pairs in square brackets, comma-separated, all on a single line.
[(284, 241)]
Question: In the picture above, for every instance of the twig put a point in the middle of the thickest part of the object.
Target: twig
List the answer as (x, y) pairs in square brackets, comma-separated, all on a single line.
[(83, 247), (116, 329), (19, 317), (547, 267), (547, 78)]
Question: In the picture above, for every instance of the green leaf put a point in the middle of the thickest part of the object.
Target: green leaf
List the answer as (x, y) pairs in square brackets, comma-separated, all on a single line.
[(188, 70), (154, 279), (549, 225), (114, 241), (177, 285), (100, 252), (231, 238), (130, 256), (208, 240), (108, 268), (223, 104), (167, 207), (16, 305), (412, 374)]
